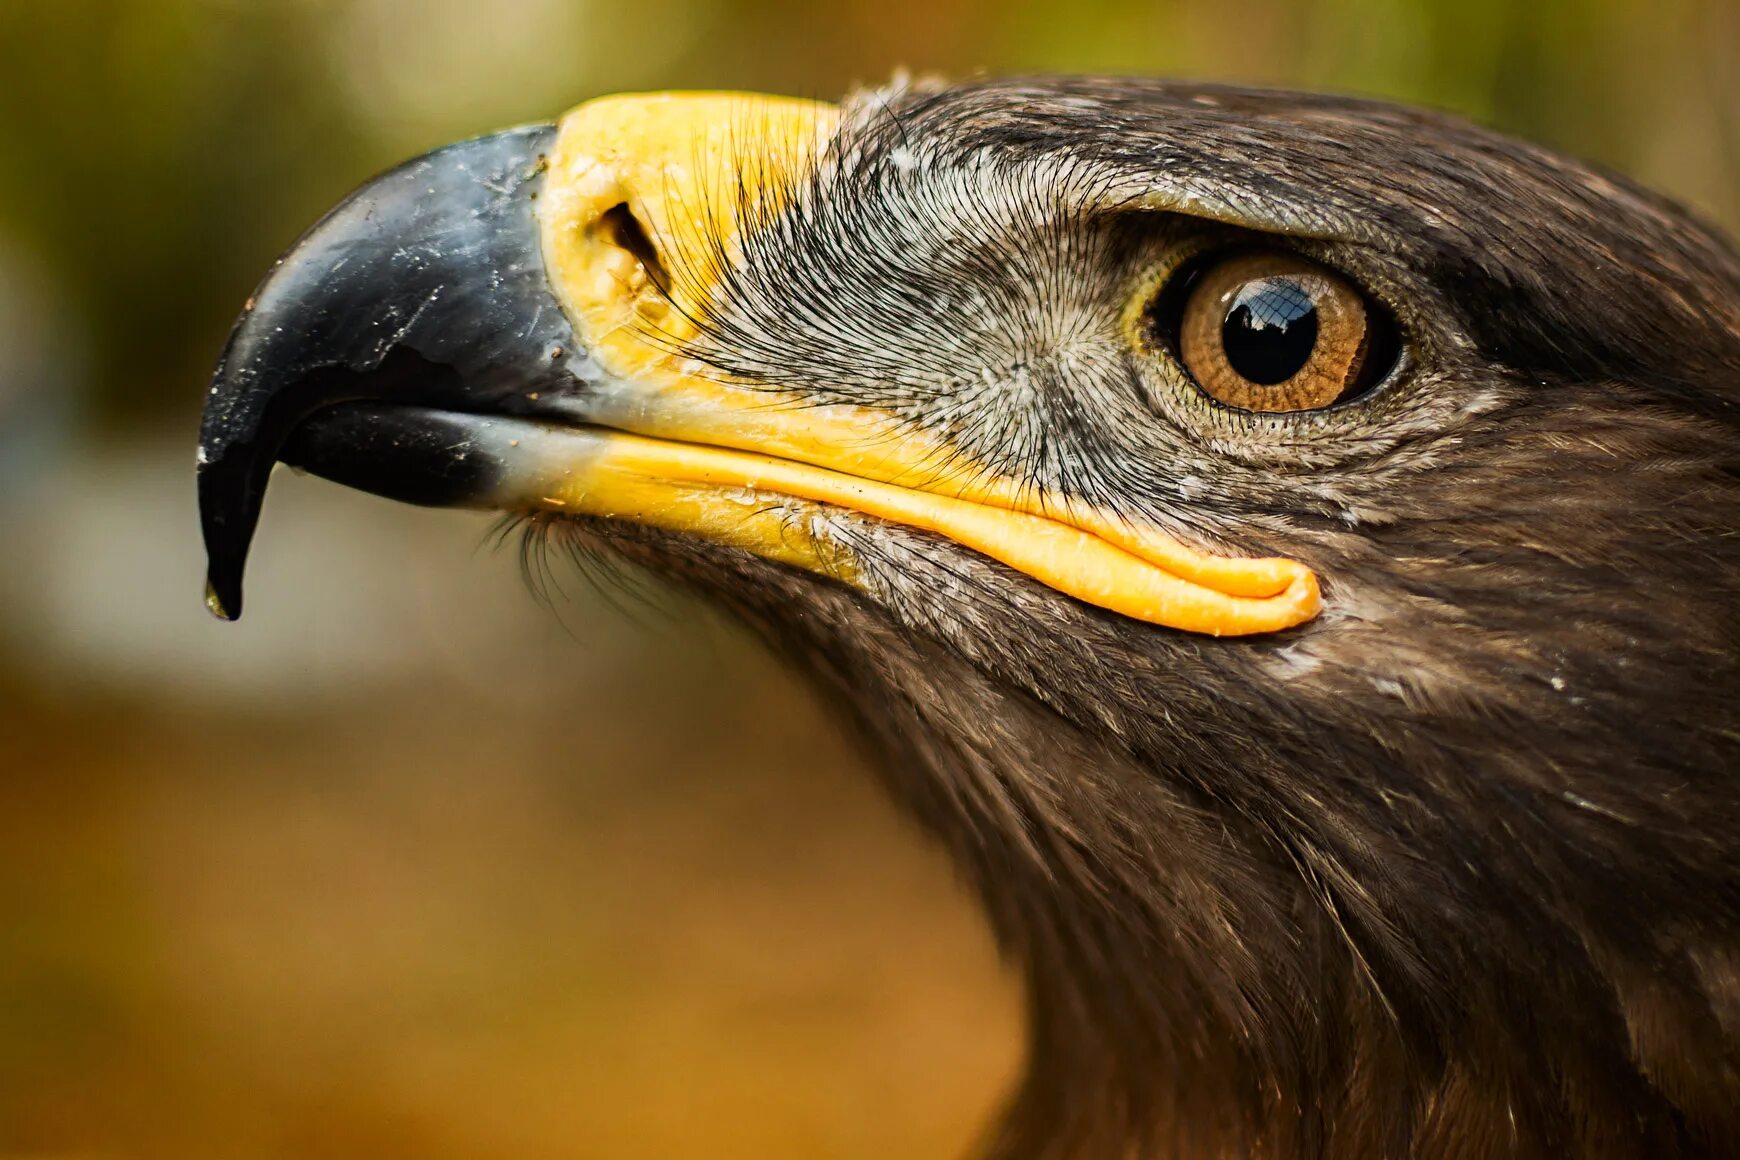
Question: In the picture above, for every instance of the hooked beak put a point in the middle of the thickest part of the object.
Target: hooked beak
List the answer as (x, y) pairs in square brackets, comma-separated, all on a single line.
[(424, 289), (499, 324)]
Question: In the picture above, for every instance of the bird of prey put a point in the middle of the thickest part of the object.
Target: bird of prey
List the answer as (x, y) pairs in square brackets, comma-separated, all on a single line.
[(1284, 546)]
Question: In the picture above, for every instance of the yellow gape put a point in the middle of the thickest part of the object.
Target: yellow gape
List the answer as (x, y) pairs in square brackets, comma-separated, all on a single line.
[(642, 210)]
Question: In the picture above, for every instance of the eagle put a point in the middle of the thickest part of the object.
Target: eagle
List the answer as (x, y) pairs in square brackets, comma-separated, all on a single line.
[(1284, 546)]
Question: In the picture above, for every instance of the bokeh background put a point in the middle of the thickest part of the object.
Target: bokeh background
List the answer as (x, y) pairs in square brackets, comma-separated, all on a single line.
[(408, 864)]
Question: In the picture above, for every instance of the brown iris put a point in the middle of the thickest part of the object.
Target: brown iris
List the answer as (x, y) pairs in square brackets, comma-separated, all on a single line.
[(1271, 331)]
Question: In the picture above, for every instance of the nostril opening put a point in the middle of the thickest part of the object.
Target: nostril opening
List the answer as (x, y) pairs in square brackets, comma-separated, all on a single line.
[(624, 229)]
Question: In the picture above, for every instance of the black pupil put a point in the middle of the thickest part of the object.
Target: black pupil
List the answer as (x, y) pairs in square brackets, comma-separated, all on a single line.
[(1270, 331)]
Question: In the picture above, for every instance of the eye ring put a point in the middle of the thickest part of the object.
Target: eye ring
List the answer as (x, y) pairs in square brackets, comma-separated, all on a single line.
[(1272, 332)]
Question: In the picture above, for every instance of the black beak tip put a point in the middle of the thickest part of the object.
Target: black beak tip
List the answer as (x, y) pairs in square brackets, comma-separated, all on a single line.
[(227, 520), (383, 300), (223, 598)]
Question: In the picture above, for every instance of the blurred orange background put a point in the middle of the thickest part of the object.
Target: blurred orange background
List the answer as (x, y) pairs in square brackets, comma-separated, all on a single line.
[(408, 864)]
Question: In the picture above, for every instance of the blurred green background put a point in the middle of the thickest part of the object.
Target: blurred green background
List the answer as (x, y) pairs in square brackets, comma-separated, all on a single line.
[(407, 864)]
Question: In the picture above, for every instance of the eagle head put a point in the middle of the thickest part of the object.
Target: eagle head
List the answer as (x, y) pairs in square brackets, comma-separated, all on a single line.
[(1285, 546)]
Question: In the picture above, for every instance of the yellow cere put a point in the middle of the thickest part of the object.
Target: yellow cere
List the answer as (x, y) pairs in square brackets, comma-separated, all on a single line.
[(684, 447)]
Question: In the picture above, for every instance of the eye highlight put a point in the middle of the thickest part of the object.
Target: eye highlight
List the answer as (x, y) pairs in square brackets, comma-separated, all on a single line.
[(1273, 332)]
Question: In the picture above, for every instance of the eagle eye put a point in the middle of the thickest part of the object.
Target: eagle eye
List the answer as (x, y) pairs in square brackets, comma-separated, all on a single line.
[(1273, 332)]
